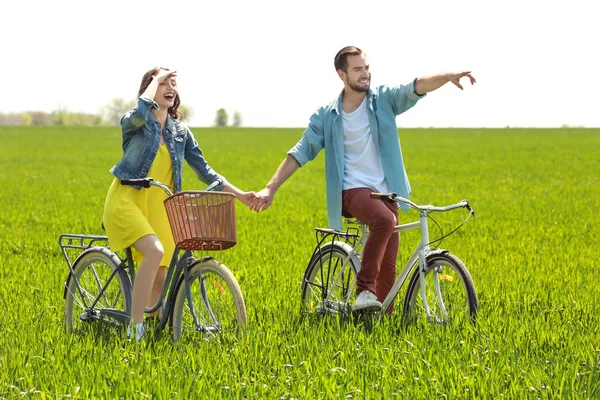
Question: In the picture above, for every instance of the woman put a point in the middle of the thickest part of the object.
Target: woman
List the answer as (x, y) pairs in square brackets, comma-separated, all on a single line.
[(155, 143)]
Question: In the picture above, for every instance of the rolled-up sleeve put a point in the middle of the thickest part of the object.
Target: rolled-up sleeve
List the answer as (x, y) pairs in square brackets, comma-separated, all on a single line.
[(403, 97), (137, 117), (195, 159), (312, 141)]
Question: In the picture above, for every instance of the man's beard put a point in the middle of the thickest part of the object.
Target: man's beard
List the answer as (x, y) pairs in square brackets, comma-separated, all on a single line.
[(360, 89)]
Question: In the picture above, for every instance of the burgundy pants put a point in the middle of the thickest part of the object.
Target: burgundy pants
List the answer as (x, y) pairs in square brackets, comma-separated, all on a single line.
[(378, 269)]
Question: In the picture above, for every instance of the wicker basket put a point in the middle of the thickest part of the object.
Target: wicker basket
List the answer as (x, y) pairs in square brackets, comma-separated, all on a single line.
[(202, 220)]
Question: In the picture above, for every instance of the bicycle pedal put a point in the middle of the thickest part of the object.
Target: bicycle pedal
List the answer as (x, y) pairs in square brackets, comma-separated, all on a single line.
[(326, 310), (85, 317), (332, 307)]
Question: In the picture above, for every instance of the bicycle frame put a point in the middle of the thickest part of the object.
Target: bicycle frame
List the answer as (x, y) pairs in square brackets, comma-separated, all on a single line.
[(421, 252), (178, 266), (418, 257)]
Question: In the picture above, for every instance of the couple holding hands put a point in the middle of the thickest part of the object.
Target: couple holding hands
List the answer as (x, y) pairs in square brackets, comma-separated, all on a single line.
[(362, 155)]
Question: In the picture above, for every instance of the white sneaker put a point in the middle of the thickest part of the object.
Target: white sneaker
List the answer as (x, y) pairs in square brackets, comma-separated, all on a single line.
[(366, 301), (140, 331)]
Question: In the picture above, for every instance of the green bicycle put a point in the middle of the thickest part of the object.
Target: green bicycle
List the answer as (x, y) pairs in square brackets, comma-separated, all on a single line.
[(199, 294)]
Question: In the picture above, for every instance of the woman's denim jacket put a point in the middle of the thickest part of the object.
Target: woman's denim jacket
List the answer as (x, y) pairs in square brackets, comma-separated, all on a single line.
[(141, 138)]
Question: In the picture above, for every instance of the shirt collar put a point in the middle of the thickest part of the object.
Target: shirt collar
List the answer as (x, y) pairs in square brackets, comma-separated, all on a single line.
[(337, 105)]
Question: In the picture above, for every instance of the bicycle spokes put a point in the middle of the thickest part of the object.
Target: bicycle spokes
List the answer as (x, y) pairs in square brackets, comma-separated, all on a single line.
[(216, 303), (443, 294), (330, 281), (98, 290)]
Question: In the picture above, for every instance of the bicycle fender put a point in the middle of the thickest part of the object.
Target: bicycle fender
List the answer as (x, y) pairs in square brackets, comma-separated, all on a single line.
[(345, 246), (79, 257), (436, 252)]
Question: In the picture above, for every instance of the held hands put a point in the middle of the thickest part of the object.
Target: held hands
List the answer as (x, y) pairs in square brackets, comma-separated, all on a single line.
[(455, 78), (267, 196), (262, 201), (248, 198), (252, 200)]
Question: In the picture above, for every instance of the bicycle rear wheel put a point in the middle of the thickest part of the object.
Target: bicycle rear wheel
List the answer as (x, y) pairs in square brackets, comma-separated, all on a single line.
[(456, 300), (330, 280), (103, 294), (217, 302)]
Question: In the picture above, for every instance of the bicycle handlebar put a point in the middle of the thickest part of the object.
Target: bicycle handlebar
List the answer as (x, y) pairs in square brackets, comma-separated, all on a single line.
[(394, 198), (387, 197), (144, 182), (147, 182)]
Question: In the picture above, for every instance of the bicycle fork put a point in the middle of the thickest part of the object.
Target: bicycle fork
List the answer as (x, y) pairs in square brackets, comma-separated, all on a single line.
[(203, 294), (426, 249)]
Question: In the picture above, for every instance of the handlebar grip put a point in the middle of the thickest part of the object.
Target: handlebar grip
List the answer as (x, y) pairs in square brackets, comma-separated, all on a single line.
[(213, 185), (388, 197), (144, 182)]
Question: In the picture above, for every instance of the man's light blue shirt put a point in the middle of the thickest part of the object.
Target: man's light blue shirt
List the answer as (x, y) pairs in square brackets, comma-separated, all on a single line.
[(326, 131)]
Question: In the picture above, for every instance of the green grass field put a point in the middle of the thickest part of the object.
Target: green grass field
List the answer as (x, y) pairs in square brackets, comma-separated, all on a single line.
[(531, 253)]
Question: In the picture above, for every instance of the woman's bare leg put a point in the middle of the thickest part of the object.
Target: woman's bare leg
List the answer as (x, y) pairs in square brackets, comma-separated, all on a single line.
[(152, 250), (157, 288)]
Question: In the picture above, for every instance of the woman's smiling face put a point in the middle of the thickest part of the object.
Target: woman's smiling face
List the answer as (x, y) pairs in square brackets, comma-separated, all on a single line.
[(166, 93)]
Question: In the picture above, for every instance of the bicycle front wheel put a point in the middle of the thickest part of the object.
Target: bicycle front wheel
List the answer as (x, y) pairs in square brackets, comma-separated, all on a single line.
[(449, 292), (98, 290), (217, 304), (330, 279)]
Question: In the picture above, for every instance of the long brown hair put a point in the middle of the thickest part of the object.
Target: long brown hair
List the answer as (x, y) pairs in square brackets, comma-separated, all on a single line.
[(147, 79)]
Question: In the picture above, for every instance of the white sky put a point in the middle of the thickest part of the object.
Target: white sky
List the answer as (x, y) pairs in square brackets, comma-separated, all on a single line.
[(536, 62)]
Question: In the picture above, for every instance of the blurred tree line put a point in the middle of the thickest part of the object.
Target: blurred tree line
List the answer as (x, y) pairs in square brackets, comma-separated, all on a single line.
[(222, 118), (59, 117), (108, 115)]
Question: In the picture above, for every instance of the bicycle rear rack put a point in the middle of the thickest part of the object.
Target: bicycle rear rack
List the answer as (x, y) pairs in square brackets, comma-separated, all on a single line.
[(348, 236), (80, 242)]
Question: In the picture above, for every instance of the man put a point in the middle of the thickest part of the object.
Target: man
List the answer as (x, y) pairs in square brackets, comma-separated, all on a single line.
[(362, 155)]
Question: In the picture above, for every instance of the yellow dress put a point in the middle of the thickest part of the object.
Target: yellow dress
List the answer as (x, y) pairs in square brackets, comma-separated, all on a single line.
[(130, 214)]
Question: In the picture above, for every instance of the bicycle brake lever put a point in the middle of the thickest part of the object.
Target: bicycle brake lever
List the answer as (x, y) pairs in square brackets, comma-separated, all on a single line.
[(468, 207), (389, 197)]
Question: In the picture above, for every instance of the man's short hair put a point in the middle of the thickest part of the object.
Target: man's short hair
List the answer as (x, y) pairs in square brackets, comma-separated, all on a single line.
[(341, 58)]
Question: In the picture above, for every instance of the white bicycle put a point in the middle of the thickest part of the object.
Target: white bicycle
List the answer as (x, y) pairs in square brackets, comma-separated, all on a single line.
[(440, 290)]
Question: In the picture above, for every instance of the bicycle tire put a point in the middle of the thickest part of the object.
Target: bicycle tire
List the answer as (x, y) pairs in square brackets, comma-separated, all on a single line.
[(92, 269), (327, 287), (456, 288), (224, 299)]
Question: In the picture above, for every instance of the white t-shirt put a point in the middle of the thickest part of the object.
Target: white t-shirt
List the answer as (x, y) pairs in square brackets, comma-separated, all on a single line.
[(362, 164)]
